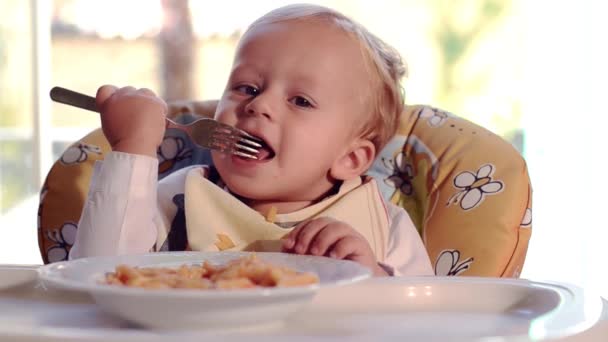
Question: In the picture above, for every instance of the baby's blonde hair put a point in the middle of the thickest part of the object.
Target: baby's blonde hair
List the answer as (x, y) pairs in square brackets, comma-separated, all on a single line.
[(385, 61)]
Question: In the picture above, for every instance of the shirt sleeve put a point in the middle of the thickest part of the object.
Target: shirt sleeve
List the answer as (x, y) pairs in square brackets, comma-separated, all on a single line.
[(120, 214), (406, 254)]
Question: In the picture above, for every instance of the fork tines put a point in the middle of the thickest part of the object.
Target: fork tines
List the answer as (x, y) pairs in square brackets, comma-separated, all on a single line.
[(240, 143)]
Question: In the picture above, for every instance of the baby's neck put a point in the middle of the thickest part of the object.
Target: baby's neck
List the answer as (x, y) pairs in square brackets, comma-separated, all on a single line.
[(284, 207), (264, 207)]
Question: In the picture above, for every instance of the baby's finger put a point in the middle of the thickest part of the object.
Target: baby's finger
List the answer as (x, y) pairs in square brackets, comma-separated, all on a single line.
[(307, 234), (151, 94), (103, 94), (328, 237), (125, 90), (289, 240), (146, 92), (345, 247)]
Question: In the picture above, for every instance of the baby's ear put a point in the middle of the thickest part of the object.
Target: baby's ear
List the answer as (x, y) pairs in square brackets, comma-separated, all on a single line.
[(354, 161)]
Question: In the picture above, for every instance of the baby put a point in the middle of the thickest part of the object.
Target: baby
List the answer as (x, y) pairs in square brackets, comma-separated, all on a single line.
[(324, 95)]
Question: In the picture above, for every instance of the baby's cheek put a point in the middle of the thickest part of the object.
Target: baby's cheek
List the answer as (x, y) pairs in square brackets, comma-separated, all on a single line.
[(218, 159), (225, 113), (226, 118)]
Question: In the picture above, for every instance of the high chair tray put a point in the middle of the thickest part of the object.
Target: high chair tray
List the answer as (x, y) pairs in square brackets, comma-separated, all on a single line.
[(400, 309)]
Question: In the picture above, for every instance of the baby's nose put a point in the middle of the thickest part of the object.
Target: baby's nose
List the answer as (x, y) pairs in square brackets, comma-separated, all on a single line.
[(260, 105)]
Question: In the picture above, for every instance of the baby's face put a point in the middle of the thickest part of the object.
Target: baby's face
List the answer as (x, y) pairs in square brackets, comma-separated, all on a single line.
[(302, 87)]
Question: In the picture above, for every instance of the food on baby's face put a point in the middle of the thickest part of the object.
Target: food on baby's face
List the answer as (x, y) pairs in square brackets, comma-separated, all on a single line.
[(245, 272)]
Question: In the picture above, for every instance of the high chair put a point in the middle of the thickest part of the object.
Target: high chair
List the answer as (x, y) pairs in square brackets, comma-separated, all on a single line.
[(466, 189)]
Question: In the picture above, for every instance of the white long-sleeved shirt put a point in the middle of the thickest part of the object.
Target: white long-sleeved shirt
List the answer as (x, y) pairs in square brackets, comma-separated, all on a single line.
[(127, 208)]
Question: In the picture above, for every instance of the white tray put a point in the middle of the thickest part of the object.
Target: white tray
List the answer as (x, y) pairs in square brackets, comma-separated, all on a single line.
[(415, 309)]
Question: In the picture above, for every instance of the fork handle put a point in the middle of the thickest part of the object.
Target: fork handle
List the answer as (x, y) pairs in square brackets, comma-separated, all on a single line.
[(73, 98), (76, 99)]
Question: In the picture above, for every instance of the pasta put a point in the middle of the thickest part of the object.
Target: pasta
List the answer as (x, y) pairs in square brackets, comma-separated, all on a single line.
[(242, 273), (271, 216)]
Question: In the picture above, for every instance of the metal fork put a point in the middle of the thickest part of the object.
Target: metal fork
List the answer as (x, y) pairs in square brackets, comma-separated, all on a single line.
[(205, 132)]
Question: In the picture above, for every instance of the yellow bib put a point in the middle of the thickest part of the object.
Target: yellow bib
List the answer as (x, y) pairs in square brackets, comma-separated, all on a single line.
[(216, 220)]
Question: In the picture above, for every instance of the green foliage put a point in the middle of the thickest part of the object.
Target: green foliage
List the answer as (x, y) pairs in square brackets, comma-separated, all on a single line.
[(12, 162), (15, 162), (455, 40)]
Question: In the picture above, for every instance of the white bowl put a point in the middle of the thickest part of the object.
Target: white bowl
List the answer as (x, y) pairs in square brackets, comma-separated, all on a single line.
[(198, 309)]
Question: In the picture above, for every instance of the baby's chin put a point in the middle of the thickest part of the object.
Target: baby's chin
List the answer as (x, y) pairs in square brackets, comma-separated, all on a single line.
[(257, 190), (247, 191)]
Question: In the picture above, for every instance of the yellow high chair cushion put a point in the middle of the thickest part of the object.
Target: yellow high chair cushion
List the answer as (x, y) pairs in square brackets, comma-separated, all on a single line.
[(466, 189), (63, 194)]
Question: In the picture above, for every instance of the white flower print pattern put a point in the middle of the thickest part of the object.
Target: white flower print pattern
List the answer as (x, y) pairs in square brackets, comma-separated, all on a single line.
[(402, 174), (171, 148), (171, 151), (448, 264), (473, 187), (526, 222), (78, 153), (434, 117), (64, 238)]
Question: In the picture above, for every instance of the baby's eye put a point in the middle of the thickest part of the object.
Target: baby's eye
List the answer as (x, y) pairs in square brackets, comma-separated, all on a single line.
[(247, 89), (301, 102)]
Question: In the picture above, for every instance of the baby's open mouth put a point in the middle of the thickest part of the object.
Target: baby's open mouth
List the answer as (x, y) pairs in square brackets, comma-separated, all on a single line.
[(266, 152)]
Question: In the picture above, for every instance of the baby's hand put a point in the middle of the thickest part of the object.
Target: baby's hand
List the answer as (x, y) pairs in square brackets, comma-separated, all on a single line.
[(133, 120), (329, 237)]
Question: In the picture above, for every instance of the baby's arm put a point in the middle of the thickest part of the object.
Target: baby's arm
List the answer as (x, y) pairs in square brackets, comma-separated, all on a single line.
[(127, 211), (336, 239), (406, 253), (120, 214)]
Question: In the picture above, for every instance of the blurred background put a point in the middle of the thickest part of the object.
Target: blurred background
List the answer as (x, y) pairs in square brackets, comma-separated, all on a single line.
[(529, 71)]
